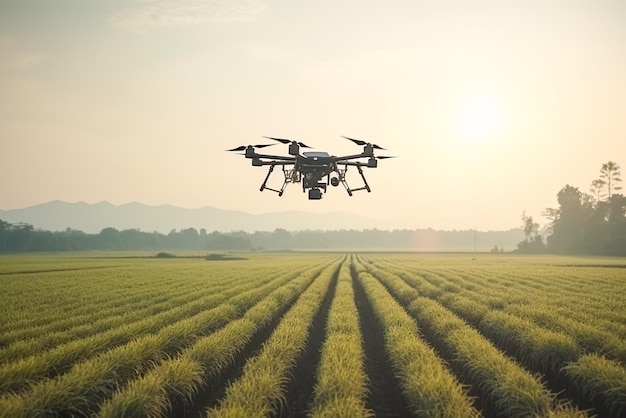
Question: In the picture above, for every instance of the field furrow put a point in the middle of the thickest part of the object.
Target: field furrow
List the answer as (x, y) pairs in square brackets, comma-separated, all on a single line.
[(383, 389), (87, 382), (162, 390), (313, 334), (261, 390), (341, 382), (428, 386), (19, 374), (541, 348), (502, 387)]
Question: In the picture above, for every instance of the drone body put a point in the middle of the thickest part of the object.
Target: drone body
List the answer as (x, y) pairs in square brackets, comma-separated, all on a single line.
[(315, 170)]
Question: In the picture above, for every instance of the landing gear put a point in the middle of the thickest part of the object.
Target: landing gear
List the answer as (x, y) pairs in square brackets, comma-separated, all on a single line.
[(342, 178), (291, 176)]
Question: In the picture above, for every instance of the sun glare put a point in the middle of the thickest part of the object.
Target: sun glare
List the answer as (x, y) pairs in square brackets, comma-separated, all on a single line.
[(481, 116)]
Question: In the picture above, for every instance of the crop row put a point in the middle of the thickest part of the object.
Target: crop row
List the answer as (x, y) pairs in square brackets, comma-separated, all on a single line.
[(22, 372), (66, 297), (309, 334), (89, 381), (592, 296), (94, 296), (180, 378), (543, 305), (427, 384), (145, 316), (341, 381), (555, 354), (260, 391), (503, 386)]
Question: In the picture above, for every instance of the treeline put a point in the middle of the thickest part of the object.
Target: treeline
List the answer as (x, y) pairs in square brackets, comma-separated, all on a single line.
[(17, 238), (584, 223)]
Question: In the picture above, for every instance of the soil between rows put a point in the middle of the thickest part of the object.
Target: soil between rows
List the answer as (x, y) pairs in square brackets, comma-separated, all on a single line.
[(301, 386), (300, 390), (555, 382), (209, 395), (385, 395), (384, 392)]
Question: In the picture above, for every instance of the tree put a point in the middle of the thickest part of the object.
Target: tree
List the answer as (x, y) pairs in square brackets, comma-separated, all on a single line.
[(531, 229), (533, 242), (586, 224), (610, 174), (617, 210), (281, 238), (110, 238), (553, 216), (5, 229), (22, 235), (596, 188), (567, 235)]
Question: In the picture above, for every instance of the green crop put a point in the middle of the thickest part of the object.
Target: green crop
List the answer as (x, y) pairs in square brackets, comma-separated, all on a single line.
[(341, 381), (103, 334)]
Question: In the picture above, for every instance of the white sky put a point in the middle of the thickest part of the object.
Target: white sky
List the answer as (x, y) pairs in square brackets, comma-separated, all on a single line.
[(492, 106)]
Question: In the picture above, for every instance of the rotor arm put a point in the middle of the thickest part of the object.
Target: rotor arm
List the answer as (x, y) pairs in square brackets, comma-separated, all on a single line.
[(353, 163), (257, 162), (371, 163), (274, 157), (343, 159)]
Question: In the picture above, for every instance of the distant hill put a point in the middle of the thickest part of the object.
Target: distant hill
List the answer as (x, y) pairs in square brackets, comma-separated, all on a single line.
[(92, 218)]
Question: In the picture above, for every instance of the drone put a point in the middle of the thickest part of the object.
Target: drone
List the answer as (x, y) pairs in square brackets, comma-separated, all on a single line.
[(315, 170)]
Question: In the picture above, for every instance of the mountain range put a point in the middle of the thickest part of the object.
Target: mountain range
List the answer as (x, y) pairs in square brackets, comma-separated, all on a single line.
[(92, 218)]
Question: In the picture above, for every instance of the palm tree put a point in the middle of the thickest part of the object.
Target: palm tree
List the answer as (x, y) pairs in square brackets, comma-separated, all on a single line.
[(610, 174)]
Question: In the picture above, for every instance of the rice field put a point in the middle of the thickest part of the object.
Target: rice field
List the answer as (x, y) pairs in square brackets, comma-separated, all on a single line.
[(312, 334)]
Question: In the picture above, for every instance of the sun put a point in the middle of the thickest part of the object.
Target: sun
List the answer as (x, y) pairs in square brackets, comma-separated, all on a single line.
[(480, 118)]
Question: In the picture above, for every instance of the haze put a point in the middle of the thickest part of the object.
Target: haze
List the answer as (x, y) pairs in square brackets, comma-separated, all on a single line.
[(492, 107)]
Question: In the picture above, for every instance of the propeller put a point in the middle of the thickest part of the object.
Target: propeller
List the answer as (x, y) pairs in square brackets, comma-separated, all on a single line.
[(360, 142), (243, 147), (287, 141), (385, 157)]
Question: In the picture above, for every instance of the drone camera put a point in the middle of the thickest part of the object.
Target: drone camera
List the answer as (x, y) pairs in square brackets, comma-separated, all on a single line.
[(334, 181), (315, 194)]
